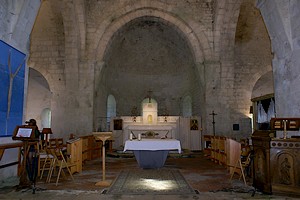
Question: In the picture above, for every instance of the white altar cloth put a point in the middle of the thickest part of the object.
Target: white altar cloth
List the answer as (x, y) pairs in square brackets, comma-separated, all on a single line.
[(153, 144)]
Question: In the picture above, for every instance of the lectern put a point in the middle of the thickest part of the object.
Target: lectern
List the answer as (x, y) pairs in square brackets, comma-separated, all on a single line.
[(103, 136), (26, 134)]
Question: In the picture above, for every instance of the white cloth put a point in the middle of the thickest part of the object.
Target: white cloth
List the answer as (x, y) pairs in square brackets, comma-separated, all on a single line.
[(153, 144)]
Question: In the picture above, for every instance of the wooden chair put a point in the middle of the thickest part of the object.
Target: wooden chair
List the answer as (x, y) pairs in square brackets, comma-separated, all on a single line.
[(61, 163), (242, 165), (56, 143), (48, 162), (52, 143)]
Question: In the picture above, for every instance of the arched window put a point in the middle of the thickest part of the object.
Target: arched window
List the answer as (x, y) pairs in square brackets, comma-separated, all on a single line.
[(187, 106), (111, 109), (46, 118)]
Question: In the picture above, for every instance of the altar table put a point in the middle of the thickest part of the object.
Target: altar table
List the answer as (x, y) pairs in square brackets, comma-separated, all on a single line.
[(152, 153)]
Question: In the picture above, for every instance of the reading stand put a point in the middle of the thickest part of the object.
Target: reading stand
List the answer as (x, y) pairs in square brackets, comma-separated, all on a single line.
[(26, 134)]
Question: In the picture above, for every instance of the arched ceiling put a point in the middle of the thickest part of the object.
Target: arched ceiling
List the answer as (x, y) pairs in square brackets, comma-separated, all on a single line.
[(148, 54)]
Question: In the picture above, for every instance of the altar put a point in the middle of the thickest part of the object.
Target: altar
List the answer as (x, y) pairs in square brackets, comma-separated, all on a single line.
[(152, 153), (163, 126)]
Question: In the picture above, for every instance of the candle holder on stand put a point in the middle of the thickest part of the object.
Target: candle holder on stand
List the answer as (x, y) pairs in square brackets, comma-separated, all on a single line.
[(284, 129)]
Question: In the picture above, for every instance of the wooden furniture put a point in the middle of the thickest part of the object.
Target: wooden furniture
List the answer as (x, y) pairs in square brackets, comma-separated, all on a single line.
[(12, 145), (276, 163), (290, 124), (207, 145), (48, 161), (46, 132), (61, 163), (223, 151), (103, 136), (91, 148), (56, 143), (261, 161), (233, 153), (241, 166), (284, 165), (9, 146), (74, 150), (218, 150)]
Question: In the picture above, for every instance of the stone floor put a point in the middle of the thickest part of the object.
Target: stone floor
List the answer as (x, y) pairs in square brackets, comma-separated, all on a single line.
[(209, 180)]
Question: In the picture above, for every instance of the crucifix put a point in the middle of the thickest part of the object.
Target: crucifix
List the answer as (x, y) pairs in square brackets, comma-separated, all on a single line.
[(213, 122), (149, 95)]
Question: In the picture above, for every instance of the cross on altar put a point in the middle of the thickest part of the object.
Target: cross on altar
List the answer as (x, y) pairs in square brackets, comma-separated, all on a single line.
[(149, 95), (213, 122)]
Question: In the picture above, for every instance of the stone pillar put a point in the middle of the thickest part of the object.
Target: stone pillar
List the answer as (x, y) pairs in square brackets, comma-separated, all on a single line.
[(282, 20)]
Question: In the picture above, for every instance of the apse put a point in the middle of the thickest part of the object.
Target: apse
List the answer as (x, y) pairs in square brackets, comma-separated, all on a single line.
[(149, 54)]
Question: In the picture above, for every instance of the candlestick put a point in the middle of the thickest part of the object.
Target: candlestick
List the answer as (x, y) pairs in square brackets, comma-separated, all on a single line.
[(284, 129)]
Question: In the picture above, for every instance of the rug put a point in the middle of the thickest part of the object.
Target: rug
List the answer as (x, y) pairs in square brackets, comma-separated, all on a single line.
[(150, 181)]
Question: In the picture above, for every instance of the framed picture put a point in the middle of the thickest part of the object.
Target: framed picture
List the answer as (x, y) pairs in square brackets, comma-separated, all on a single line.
[(118, 124), (194, 124)]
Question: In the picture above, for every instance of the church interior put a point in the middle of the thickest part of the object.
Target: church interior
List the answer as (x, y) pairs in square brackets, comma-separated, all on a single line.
[(201, 88)]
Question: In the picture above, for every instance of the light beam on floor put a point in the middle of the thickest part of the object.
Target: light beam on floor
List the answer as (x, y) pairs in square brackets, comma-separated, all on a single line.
[(155, 184)]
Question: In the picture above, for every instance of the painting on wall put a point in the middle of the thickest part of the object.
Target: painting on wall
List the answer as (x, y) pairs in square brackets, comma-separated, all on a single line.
[(194, 124), (118, 123), (12, 76)]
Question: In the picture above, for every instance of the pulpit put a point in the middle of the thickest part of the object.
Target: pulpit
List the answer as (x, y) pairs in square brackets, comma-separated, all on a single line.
[(103, 136), (276, 160)]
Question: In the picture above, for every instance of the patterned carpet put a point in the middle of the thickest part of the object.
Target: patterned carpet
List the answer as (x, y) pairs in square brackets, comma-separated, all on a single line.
[(150, 181)]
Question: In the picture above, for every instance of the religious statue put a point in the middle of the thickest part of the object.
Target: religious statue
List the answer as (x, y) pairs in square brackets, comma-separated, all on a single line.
[(285, 176)]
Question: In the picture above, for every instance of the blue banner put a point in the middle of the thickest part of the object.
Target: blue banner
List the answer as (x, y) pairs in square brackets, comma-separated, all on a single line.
[(12, 76)]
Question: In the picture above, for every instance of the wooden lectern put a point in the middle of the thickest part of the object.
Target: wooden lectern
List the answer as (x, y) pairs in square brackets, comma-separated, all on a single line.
[(103, 136), (26, 134)]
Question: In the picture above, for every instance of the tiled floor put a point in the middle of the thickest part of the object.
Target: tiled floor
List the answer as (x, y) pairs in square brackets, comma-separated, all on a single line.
[(209, 179)]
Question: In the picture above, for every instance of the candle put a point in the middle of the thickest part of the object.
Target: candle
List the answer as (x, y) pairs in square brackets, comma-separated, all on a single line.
[(139, 136), (130, 136)]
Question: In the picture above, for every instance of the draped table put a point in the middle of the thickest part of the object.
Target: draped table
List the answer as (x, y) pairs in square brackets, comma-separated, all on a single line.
[(152, 153)]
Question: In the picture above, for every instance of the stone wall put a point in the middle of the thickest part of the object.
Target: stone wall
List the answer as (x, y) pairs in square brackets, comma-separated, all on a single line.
[(81, 57), (17, 19)]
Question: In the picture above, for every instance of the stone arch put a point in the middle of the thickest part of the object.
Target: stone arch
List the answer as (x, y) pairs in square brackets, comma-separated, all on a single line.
[(226, 19), (37, 87), (199, 45), (263, 86), (44, 73)]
